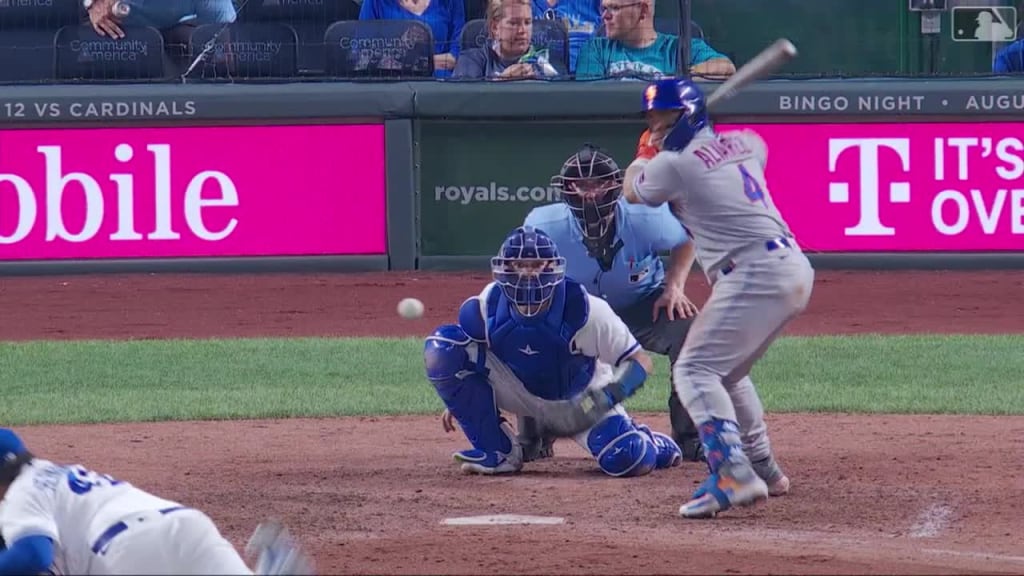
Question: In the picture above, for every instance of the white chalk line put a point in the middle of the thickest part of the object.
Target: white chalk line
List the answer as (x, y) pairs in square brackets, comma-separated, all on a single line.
[(931, 521), (866, 543), (978, 555)]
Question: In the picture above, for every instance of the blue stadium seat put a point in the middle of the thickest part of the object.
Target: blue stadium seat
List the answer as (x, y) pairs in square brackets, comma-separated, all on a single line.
[(84, 55), (246, 50), (45, 14), (27, 32), (666, 26), (26, 55), (379, 48), (550, 34), (309, 20)]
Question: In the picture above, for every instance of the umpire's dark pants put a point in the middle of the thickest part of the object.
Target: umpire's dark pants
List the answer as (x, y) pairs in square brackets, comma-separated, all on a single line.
[(665, 337), (660, 336)]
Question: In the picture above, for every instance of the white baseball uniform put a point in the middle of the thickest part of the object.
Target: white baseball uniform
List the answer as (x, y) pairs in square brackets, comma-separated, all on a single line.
[(761, 279), (604, 337), (100, 525)]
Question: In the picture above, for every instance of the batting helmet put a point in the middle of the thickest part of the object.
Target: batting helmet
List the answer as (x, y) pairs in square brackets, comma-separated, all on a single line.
[(590, 183), (528, 269), (678, 94)]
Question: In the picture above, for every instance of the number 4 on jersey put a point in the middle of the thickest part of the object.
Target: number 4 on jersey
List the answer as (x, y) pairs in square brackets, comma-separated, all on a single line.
[(751, 187)]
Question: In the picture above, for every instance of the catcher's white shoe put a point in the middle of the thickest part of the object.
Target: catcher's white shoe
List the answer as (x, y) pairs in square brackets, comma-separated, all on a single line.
[(489, 463), (276, 551)]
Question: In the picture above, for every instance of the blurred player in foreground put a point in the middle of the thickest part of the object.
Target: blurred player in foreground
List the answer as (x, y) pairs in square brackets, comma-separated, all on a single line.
[(534, 329), (70, 520), (715, 186), (612, 248)]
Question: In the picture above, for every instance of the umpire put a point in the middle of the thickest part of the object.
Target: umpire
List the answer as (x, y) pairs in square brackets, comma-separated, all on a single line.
[(612, 248)]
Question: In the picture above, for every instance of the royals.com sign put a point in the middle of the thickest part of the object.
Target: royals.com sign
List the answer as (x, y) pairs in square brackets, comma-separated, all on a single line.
[(479, 180)]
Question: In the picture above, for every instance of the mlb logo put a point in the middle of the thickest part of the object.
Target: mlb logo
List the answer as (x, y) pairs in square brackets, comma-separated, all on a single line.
[(984, 24)]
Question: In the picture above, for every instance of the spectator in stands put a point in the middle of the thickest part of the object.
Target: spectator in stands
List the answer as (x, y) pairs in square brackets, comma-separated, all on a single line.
[(509, 53), (1010, 60), (445, 18), (109, 17), (632, 47), (581, 19)]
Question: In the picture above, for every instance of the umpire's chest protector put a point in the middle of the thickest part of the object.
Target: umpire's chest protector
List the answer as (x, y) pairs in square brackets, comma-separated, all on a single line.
[(539, 350)]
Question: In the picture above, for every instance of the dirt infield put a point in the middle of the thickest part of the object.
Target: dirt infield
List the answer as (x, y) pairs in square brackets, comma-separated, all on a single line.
[(883, 494)]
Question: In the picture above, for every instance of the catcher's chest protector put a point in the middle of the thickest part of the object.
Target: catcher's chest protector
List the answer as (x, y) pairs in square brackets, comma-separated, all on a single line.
[(540, 352)]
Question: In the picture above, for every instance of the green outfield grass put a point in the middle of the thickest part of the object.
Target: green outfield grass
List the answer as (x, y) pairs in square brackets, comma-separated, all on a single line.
[(49, 382)]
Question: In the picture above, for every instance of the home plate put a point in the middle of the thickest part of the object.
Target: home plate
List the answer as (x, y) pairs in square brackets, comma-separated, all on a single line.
[(501, 519)]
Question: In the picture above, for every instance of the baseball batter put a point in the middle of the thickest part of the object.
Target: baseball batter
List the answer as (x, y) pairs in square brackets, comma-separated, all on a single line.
[(71, 520), (613, 249), (715, 186), (533, 329)]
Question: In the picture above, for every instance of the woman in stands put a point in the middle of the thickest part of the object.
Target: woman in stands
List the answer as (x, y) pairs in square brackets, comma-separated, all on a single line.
[(445, 18), (508, 53)]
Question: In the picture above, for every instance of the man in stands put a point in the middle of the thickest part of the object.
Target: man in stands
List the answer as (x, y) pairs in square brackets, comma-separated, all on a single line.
[(109, 17), (633, 48)]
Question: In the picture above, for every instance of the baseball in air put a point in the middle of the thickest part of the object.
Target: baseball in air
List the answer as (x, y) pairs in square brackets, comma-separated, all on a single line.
[(410, 308)]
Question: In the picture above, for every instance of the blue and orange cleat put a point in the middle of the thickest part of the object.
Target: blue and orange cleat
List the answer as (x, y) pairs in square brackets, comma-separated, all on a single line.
[(734, 485)]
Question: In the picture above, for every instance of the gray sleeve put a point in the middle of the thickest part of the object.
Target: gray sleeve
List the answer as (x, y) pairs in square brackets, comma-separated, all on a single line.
[(757, 144), (659, 182), (559, 418), (470, 64)]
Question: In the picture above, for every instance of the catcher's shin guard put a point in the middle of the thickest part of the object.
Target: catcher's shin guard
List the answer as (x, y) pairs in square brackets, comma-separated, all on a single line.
[(455, 366), (622, 449)]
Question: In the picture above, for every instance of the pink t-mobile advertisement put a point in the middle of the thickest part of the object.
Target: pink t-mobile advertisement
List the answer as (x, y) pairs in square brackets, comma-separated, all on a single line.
[(192, 192), (898, 187)]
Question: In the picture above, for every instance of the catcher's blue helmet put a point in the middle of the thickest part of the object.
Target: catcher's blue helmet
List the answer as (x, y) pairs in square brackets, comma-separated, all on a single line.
[(678, 94), (529, 269)]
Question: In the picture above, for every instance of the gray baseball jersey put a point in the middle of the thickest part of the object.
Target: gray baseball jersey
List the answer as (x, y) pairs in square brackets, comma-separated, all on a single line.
[(716, 188)]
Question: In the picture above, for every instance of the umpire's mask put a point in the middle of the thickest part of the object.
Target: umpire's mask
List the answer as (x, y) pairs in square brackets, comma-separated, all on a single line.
[(590, 184)]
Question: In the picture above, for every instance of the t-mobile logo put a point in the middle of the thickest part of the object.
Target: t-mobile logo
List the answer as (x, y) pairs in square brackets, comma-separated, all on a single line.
[(869, 223)]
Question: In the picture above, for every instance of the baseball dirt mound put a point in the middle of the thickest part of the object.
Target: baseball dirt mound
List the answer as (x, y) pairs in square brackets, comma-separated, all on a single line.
[(872, 494)]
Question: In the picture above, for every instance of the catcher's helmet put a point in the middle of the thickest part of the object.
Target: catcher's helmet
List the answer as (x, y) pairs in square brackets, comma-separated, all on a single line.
[(528, 269), (678, 94), (590, 183)]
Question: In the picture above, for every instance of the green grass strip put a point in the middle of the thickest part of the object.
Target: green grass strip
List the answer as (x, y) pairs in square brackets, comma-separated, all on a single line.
[(147, 380)]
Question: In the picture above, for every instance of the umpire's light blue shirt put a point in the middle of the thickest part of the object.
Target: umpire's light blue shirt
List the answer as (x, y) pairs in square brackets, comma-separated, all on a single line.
[(636, 271)]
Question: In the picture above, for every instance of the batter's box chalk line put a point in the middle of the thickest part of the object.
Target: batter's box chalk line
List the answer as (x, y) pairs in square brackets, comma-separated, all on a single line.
[(502, 520)]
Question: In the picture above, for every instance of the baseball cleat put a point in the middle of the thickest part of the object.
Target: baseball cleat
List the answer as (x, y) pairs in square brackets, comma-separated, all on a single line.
[(489, 463), (536, 449), (734, 485), (769, 471), (779, 487)]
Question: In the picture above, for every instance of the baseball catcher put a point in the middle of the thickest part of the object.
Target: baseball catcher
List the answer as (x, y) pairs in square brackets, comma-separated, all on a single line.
[(533, 339)]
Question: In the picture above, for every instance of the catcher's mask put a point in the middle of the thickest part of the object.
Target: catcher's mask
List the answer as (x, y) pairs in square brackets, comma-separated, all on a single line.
[(591, 184), (528, 269)]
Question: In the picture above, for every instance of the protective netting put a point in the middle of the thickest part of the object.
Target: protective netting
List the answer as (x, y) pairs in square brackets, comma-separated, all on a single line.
[(471, 40)]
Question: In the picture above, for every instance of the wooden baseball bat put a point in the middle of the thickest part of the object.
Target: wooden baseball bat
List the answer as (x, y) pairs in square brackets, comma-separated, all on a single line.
[(769, 60)]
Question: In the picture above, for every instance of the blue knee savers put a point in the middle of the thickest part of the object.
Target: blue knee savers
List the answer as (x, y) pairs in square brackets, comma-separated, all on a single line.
[(622, 449), (461, 382)]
